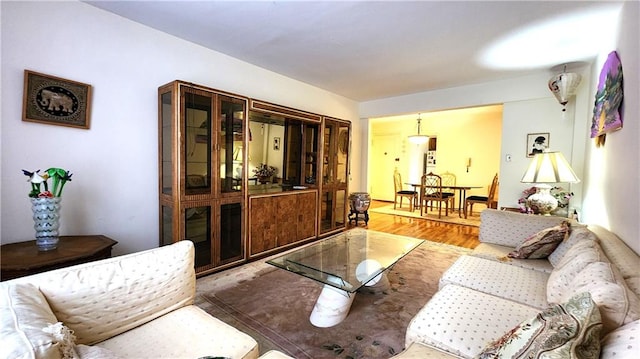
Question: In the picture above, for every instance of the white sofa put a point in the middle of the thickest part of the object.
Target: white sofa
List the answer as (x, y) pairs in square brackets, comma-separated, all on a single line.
[(485, 295), (133, 306)]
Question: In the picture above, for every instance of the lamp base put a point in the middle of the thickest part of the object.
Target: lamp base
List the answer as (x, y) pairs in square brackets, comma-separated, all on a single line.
[(542, 201)]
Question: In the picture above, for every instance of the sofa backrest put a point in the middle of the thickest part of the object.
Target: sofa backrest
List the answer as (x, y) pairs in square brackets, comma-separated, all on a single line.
[(508, 228), (101, 299), (625, 259)]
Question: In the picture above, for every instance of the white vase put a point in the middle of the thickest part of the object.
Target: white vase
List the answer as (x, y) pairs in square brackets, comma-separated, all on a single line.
[(542, 201), (46, 217)]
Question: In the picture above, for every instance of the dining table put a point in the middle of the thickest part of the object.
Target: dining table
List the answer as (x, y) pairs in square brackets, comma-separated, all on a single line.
[(462, 193)]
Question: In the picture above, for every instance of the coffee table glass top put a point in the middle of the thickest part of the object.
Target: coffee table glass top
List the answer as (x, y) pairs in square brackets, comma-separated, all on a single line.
[(347, 260)]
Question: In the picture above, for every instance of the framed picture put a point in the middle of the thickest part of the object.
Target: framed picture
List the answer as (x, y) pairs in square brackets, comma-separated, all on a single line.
[(607, 116), (276, 143), (537, 143), (56, 101)]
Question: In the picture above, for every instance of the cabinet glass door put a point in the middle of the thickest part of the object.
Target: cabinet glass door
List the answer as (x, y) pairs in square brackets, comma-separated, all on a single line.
[(231, 142), (311, 154), (197, 227), (342, 171), (197, 130), (166, 118), (292, 148), (230, 232)]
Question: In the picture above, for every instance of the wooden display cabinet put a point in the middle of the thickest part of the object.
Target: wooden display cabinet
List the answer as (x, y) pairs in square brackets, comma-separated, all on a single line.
[(202, 172), (336, 142)]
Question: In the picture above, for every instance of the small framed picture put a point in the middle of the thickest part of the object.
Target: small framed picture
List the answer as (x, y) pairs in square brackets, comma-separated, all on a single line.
[(537, 143), (276, 143), (55, 101)]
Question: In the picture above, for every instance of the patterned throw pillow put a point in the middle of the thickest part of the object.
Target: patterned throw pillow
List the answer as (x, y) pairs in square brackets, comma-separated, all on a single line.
[(569, 330), (543, 243)]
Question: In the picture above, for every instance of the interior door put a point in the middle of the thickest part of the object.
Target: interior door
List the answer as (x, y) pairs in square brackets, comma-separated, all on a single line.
[(386, 155)]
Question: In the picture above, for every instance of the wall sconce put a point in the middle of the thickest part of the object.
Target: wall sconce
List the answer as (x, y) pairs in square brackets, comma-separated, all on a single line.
[(564, 85), (468, 163)]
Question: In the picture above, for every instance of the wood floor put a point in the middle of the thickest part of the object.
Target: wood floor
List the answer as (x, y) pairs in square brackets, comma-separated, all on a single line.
[(454, 234)]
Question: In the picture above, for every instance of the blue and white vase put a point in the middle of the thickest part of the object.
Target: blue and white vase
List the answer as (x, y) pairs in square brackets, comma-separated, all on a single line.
[(46, 217)]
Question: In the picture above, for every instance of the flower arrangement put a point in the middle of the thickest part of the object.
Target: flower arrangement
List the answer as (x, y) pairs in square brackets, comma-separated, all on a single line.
[(559, 193), (59, 178), (263, 170)]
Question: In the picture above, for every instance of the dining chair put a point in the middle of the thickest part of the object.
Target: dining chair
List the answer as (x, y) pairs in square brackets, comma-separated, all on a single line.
[(401, 193), (487, 200), (431, 191), (449, 179)]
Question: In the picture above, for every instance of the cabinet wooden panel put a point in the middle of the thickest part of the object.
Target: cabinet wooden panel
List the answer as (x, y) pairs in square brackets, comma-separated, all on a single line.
[(307, 215), (287, 219), (263, 231), (281, 220)]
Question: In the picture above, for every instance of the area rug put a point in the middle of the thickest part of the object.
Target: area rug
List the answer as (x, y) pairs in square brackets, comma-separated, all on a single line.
[(273, 306), (473, 220)]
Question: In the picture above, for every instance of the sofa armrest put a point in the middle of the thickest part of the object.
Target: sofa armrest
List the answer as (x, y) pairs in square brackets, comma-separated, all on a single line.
[(509, 229)]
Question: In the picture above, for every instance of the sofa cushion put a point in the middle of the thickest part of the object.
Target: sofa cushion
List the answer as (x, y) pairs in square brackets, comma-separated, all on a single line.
[(101, 299), (24, 314), (509, 282), (576, 234), (569, 330), (575, 260), (191, 330), (622, 343), (617, 304), (496, 252), (462, 321), (541, 244), (421, 351)]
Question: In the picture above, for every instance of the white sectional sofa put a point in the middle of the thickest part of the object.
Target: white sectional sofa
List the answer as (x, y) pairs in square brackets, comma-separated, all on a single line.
[(134, 306), (485, 295)]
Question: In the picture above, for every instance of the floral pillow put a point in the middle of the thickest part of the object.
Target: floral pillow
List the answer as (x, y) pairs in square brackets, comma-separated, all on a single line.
[(543, 243), (569, 330)]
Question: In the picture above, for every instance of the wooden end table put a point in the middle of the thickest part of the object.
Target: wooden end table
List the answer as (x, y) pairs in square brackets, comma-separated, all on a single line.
[(23, 258)]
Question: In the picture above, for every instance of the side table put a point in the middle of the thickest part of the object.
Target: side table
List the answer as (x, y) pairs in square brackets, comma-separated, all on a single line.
[(23, 258)]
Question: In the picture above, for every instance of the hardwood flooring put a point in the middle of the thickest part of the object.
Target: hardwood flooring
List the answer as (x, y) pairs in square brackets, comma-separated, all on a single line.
[(453, 234)]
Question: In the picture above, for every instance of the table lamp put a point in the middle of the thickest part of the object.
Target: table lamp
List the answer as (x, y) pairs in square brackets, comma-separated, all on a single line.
[(547, 167)]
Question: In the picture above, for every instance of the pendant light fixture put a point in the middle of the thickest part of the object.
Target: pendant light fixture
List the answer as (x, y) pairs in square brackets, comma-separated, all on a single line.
[(419, 139), (564, 85)]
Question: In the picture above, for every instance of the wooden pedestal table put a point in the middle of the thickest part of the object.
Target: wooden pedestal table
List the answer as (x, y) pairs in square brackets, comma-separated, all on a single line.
[(344, 263)]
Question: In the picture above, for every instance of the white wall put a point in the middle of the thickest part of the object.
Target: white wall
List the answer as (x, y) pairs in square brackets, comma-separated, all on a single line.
[(612, 190), (114, 190)]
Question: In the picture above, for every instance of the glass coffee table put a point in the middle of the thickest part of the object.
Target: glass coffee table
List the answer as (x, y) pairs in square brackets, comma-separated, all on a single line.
[(344, 263)]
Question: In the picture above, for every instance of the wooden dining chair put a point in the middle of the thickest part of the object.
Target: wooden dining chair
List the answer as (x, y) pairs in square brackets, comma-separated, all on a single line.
[(431, 191), (449, 179), (401, 193), (487, 200)]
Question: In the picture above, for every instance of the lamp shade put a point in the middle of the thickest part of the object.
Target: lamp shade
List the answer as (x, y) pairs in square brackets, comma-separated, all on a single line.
[(549, 167), (564, 85)]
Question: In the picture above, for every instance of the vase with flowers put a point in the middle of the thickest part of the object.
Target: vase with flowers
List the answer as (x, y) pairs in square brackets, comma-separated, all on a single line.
[(264, 172), (45, 204)]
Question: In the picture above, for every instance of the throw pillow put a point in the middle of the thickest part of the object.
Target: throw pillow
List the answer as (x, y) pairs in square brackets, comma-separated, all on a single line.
[(543, 243), (24, 312), (569, 330)]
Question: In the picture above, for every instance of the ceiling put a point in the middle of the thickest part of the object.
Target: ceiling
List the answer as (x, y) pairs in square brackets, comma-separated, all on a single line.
[(366, 50)]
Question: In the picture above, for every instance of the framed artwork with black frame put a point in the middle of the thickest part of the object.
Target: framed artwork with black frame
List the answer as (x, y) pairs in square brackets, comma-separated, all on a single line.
[(56, 101), (537, 143)]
